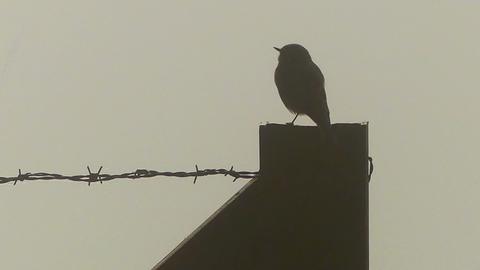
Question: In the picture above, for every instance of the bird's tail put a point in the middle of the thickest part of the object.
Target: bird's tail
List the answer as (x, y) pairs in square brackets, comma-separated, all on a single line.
[(321, 117)]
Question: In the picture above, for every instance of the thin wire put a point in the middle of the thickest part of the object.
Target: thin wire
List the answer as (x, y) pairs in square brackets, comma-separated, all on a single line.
[(92, 177)]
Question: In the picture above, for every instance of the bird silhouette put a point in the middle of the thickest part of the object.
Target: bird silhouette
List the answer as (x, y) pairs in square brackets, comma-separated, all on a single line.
[(301, 85)]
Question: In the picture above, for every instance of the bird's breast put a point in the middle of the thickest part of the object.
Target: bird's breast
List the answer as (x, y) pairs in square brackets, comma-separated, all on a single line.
[(298, 87)]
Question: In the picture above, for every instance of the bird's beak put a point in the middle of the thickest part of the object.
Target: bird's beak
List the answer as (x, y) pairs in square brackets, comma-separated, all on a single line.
[(276, 49)]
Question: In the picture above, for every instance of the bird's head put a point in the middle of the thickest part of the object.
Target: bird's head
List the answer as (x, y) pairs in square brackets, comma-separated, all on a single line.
[(293, 53)]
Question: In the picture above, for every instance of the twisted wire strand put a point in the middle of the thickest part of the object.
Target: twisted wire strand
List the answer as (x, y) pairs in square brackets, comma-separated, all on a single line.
[(92, 177)]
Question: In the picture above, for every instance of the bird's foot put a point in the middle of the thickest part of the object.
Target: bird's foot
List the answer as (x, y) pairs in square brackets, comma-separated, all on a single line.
[(293, 121)]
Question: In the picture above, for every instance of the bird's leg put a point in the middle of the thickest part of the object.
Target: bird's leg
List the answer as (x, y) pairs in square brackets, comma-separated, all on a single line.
[(291, 123)]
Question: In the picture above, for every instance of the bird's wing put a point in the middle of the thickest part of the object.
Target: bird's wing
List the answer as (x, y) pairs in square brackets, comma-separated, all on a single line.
[(317, 81), (318, 109)]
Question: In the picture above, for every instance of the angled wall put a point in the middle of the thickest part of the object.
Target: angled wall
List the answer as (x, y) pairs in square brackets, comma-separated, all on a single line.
[(308, 209)]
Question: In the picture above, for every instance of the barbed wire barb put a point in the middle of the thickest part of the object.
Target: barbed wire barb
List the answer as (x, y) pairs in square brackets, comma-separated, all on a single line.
[(196, 170), (94, 176)]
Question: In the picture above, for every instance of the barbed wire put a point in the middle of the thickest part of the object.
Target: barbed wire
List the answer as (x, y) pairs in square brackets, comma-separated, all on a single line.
[(93, 177)]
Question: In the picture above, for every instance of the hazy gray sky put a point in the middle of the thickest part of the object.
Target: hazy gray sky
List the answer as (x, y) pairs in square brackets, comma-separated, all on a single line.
[(168, 84)]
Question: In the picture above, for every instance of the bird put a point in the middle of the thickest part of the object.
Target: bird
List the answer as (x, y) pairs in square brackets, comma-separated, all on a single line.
[(301, 85)]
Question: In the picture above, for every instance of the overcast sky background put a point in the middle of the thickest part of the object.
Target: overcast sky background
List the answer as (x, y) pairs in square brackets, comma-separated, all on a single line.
[(166, 85)]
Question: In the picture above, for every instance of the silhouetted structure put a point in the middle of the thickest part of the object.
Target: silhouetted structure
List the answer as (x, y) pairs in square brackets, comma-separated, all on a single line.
[(308, 209)]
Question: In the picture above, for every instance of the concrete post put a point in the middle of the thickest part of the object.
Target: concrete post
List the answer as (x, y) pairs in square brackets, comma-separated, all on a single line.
[(308, 209)]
